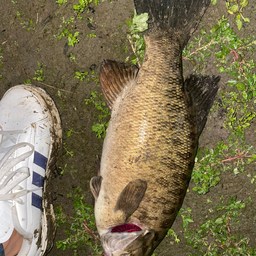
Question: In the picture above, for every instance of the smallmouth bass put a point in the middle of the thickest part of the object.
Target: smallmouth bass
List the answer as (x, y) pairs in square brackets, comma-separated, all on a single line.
[(151, 143)]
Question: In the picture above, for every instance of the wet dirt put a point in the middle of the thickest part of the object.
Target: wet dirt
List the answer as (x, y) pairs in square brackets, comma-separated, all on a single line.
[(22, 50)]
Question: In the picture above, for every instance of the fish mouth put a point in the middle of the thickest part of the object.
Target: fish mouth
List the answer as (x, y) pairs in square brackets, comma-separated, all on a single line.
[(119, 239)]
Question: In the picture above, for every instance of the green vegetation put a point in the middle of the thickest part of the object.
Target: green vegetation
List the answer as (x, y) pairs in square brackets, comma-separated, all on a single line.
[(137, 25), (61, 2), (28, 24), (216, 236), (68, 26), (229, 54), (39, 74), (104, 114), (80, 227), (236, 7)]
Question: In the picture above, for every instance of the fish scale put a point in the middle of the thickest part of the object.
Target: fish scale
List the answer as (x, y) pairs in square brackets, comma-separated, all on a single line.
[(166, 115), (152, 137)]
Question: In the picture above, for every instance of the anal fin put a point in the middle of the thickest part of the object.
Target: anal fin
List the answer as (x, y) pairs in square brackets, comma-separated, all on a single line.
[(202, 90), (129, 199), (115, 76), (95, 185)]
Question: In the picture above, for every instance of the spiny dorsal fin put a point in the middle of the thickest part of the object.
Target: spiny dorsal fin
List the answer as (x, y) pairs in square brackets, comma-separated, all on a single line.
[(129, 199), (114, 77), (95, 185), (202, 90)]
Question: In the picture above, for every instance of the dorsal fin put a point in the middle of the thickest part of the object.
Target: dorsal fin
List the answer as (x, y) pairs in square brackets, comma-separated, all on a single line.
[(114, 77), (202, 90)]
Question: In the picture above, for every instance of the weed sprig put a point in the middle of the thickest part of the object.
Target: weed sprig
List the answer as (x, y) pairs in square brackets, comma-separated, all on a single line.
[(215, 236), (236, 7), (80, 228), (137, 25), (100, 105), (68, 25)]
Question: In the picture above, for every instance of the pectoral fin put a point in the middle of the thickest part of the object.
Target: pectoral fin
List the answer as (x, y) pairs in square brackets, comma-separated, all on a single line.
[(114, 77), (129, 199), (95, 185)]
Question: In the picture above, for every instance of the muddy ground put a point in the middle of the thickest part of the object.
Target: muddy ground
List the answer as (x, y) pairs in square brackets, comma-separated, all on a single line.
[(23, 49)]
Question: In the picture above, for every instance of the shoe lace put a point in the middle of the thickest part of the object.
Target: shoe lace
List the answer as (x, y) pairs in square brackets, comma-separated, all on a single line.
[(10, 180)]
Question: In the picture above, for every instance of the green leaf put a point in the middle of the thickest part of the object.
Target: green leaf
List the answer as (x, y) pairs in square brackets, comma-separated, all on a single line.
[(76, 7), (232, 82), (243, 3), (219, 221), (140, 21), (218, 54), (246, 20), (239, 24), (240, 86), (221, 69), (236, 171), (234, 8)]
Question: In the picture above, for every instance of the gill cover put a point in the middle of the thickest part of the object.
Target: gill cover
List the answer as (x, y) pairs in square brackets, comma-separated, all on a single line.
[(128, 244)]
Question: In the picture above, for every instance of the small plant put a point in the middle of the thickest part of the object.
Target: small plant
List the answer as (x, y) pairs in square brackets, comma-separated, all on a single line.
[(39, 74), (61, 2), (28, 81), (82, 6), (215, 237), (72, 38), (64, 169), (81, 76), (69, 133), (212, 162), (100, 105), (68, 153), (72, 57), (62, 99), (208, 167), (80, 228), (91, 35), (173, 234), (26, 24), (137, 25), (236, 7), (66, 31)]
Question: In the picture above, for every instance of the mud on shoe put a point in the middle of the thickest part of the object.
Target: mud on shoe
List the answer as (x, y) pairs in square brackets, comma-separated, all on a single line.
[(30, 138)]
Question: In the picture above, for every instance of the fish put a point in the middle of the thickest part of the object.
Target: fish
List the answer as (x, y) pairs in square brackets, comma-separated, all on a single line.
[(152, 138)]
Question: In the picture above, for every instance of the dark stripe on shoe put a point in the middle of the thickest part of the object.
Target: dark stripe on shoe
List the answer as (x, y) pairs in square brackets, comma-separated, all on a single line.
[(40, 160), (37, 201), (38, 180), (1, 250)]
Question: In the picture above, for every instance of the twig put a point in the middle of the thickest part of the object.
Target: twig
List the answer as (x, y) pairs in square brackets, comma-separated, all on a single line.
[(95, 237), (219, 245), (229, 233), (44, 83), (236, 157)]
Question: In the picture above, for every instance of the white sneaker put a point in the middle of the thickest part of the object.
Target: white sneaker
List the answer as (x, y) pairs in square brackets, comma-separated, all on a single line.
[(30, 138)]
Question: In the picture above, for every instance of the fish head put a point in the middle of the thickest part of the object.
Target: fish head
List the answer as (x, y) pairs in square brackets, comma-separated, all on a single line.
[(129, 242)]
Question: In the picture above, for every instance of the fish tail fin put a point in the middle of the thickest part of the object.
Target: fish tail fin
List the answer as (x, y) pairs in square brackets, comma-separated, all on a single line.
[(181, 16)]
